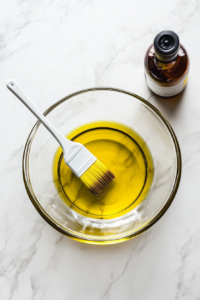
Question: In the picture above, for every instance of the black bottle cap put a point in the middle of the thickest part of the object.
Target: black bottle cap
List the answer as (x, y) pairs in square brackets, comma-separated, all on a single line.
[(166, 45)]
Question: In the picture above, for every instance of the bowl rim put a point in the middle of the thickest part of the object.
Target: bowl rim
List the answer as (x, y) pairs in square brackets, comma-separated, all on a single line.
[(143, 228)]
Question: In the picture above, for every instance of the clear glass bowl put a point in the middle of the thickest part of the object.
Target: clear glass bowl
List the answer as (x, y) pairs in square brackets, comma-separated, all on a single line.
[(92, 105)]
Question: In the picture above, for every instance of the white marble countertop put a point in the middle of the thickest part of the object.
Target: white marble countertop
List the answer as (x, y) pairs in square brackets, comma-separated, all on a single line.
[(53, 48)]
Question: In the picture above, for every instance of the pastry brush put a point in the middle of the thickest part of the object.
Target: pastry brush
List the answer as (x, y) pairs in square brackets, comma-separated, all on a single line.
[(94, 175)]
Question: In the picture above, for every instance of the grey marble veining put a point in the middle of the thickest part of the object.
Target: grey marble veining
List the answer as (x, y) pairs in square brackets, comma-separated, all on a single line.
[(53, 48)]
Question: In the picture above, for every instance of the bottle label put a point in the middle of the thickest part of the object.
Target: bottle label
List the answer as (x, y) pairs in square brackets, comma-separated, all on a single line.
[(166, 91)]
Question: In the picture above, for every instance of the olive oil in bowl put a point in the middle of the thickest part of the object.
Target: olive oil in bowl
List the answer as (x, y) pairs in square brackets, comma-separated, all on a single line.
[(125, 153)]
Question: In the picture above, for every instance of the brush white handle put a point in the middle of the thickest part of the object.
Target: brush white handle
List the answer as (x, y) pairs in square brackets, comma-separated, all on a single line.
[(76, 156), (19, 93)]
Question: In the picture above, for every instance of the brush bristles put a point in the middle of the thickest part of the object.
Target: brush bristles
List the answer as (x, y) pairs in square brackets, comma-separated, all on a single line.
[(97, 178)]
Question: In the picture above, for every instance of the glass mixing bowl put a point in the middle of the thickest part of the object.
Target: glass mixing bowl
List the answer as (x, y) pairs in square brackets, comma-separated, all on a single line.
[(92, 105)]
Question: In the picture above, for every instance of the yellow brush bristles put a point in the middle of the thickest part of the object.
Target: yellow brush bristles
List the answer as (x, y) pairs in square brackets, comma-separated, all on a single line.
[(97, 178)]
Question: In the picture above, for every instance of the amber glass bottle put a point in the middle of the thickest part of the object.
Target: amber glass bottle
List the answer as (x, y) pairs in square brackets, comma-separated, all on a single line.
[(166, 65)]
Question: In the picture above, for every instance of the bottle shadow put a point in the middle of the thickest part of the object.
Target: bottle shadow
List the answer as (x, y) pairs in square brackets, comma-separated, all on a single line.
[(169, 105)]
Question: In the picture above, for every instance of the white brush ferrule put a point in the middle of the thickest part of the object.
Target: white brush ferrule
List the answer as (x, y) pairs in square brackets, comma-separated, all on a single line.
[(80, 160)]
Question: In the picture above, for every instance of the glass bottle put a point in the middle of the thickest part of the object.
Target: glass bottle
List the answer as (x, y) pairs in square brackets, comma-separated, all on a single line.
[(166, 65)]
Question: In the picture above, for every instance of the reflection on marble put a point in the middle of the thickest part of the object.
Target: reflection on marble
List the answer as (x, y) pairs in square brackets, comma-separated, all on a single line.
[(53, 48)]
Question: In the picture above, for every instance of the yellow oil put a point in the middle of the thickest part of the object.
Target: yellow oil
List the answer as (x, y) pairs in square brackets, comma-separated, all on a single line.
[(125, 153)]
